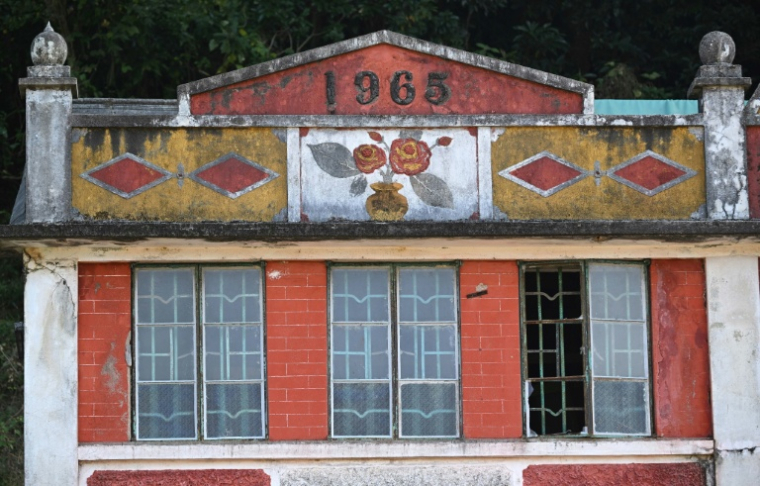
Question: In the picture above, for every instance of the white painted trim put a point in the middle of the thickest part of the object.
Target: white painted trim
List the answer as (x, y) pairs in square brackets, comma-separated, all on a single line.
[(335, 450), (423, 249), (294, 175), (485, 186)]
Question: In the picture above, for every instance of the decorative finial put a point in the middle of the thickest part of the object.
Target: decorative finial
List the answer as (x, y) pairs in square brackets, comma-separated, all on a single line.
[(717, 48), (49, 48)]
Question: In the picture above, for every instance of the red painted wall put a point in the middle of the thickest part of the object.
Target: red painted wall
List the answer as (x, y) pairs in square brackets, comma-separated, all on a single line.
[(679, 349), (490, 329), (682, 474), (296, 313), (104, 324), (302, 90), (185, 477), (753, 170)]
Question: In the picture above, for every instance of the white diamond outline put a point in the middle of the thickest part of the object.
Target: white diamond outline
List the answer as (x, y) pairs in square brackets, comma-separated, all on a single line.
[(688, 173), (271, 175), (126, 195), (507, 174)]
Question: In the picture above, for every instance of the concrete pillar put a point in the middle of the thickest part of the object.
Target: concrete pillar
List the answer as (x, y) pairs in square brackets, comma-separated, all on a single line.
[(733, 300), (720, 86), (49, 91), (50, 373)]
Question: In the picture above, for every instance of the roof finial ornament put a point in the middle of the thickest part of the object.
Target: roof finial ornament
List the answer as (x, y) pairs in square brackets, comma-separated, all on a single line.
[(49, 48), (717, 48)]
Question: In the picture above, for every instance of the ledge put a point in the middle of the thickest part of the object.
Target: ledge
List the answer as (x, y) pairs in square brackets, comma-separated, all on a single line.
[(104, 119), (72, 234), (395, 450)]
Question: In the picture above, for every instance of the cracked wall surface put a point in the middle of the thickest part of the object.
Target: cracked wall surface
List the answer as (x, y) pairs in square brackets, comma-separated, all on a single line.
[(50, 363)]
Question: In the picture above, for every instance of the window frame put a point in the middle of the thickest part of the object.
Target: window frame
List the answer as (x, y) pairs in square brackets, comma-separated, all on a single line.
[(199, 330), (589, 377), (394, 323)]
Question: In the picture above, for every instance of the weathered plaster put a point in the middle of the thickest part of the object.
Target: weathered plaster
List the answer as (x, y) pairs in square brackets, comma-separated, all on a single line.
[(48, 181), (454, 164), (632, 450), (50, 365), (398, 40), (737, 467), (392, 475), (597, 152), (734, 337), (179, 198), (423, 249), (725, 154), (184, 119)]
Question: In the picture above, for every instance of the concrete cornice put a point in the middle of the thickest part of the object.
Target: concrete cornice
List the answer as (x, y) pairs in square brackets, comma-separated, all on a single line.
[(82, 233)]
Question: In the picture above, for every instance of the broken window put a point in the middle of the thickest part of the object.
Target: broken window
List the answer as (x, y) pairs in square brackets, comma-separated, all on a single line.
[(586, 366), (222, 372), (394, 352)]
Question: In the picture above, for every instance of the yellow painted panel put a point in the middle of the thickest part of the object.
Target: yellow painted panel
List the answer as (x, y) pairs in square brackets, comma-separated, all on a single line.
[(167, 148), (598, 197)]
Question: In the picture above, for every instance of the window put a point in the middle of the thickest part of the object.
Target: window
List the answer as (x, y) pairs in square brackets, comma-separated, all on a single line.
[(585, 348), (394, 352), (173, 306)]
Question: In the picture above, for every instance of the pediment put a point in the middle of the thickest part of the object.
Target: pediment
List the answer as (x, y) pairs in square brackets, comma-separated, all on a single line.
[(385, 73)]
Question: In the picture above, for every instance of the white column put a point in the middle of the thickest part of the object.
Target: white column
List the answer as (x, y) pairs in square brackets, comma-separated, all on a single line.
[(50, 373), (733, 300)]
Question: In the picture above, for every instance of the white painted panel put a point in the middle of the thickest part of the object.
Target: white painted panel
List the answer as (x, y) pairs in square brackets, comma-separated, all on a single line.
[(327, 197), (733, 313)]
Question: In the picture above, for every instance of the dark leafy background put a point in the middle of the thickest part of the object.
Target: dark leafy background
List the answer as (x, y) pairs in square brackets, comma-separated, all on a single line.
[(145, 48)]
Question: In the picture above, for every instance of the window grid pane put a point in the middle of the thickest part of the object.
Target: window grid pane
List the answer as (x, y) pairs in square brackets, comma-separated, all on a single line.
[(554, 336), (166, 354), (427, 353), (617, 351), (362, 390), (233, 353), (360, 352)]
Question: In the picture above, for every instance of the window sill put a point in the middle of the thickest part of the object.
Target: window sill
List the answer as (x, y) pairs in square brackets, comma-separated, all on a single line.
[(359, 449)]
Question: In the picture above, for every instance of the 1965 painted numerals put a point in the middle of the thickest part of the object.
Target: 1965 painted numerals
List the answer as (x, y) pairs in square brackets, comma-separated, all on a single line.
[(402, 91)]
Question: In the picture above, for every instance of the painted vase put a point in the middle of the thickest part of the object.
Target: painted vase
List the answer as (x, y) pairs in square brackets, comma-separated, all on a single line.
[(386, 204)]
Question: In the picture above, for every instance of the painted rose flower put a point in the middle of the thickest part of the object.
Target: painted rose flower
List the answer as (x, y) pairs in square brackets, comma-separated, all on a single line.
[(369, 158), (409, 156)]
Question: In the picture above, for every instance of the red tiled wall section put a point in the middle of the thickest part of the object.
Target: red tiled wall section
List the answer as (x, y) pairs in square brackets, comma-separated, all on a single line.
[(103, 329), (679, 349), (682, 474), (491, 402), (185, 477), (296, 312)]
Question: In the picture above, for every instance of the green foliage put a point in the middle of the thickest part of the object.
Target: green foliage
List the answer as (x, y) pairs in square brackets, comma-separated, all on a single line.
[(11, 375)]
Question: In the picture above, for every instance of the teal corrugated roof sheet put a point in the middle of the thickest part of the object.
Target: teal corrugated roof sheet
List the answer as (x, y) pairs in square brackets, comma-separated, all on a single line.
[(646, 107)]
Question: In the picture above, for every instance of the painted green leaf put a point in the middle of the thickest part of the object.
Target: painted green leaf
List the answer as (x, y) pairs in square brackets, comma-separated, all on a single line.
[(432, 190), (358, 185), (335, 159)]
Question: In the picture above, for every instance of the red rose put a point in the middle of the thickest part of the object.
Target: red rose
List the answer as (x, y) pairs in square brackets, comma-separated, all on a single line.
[(409, 156), (369, 158)]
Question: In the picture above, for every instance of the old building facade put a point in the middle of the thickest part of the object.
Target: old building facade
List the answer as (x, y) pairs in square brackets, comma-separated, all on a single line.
[(387, 261)]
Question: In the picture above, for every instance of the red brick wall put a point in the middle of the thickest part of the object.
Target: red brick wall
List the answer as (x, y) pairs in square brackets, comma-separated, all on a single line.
[(684, 474), (296, 313), (104, 324), (491, 401), (185, 477), (679, 349)]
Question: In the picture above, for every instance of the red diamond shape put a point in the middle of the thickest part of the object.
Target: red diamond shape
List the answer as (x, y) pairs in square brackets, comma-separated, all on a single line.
[(126, 175), (649, 173), (545, 173), (232, 175)]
